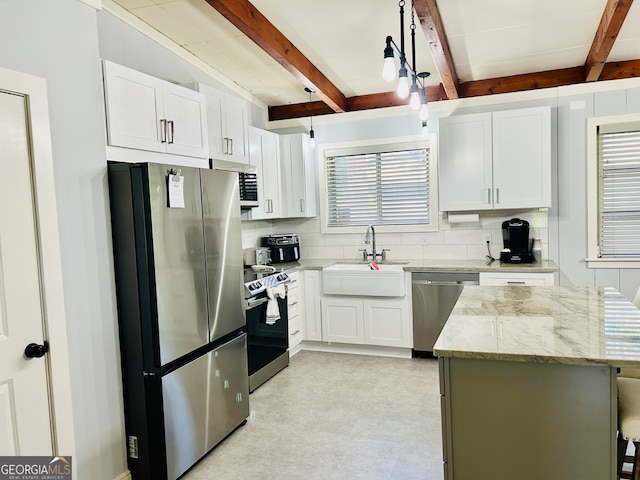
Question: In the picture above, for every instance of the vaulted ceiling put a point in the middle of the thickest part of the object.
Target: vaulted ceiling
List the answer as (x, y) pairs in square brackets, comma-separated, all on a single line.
[(276, 48)]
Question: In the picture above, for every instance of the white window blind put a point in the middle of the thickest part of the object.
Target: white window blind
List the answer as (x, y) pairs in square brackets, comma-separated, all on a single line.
[(390, 188), (619, 194)]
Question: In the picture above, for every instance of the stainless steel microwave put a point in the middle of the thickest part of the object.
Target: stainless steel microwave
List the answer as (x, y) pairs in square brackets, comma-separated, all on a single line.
[(248, 180), (248, 190)]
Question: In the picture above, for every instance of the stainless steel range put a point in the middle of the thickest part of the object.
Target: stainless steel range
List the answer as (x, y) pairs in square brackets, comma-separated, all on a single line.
[(267, 343)]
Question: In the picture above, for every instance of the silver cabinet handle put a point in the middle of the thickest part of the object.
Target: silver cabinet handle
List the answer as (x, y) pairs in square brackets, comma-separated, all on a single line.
[(163, 131), (302, 205), (510, 282), (295, 333), (497, 195), (231, 149), (170, 125), (488, 195), (292, 304)]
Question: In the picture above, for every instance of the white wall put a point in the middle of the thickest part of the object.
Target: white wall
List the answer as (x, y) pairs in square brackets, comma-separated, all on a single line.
[(575, 105), (57, 40)]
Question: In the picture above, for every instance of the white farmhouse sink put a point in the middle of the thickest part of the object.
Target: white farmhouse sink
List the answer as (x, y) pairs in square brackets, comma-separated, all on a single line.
[(358, 279)]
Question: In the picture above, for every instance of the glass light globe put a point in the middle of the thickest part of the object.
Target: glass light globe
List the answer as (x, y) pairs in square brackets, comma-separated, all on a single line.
[(403, 87), (424, 112), (414, 102), (389, 69)]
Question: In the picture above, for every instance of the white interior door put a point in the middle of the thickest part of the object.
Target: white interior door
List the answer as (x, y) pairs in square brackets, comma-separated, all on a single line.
[(25, 423)]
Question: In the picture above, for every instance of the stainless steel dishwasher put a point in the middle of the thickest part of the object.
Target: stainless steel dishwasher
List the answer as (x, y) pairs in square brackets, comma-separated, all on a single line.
[(434, 295)]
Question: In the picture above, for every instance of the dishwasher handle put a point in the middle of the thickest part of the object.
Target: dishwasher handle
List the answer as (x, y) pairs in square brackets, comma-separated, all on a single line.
[(438, 282)]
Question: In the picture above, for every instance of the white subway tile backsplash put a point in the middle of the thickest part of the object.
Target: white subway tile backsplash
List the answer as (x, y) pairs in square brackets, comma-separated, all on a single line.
[(343, 239), (446, 252), (405, 252), (455, 242), (321, 252), (463, 237)]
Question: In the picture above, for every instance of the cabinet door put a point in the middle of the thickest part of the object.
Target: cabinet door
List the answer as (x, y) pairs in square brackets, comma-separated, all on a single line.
[(388, 323), (522, 158), (294, 153), (235, 112), (342, 320), (465, 168), (134, 108), (186, 116), (215, 122), (264, 155), (312, 310)]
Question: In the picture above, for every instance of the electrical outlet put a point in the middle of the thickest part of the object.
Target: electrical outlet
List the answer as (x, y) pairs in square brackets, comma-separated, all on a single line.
[(487, 238)]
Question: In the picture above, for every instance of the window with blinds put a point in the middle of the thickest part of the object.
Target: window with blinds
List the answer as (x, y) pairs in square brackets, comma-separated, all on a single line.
[(389, 188), (619, 194)]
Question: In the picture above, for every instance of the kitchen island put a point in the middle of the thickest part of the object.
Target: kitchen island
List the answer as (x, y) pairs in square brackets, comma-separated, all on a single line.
[(528, 381)]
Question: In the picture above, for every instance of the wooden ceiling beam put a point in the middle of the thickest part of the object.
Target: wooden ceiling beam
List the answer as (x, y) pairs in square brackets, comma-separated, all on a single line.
[(433, 29), (526, 81), (610, 24), (354, 104), (248, 19), (619, 70)]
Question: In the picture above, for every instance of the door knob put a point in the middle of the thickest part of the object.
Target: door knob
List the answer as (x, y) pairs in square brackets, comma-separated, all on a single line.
[(33, 350)]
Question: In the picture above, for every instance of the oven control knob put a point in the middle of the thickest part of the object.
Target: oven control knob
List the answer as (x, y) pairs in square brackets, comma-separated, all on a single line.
[(283, 276)]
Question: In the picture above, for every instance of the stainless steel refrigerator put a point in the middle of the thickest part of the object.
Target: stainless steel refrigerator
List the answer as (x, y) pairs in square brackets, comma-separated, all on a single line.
[(179, 285)]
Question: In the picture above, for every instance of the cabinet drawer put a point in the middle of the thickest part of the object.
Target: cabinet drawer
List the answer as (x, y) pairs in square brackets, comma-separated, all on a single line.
[(515, 279), (293, 277), (294, 327), (293, 304)]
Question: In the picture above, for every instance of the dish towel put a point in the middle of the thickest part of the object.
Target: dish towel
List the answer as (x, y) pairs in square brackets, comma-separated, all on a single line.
[(273, 312)]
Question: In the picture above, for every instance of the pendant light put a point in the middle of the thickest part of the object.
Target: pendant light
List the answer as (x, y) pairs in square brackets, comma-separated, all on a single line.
[(312, 139), (416, 90)]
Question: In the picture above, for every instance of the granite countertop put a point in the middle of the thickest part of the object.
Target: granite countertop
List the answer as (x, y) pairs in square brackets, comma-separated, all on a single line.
[(568, 325), (546, 266)]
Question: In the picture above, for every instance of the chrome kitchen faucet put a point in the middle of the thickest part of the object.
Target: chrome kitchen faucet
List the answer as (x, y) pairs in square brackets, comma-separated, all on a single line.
[(369, 238)]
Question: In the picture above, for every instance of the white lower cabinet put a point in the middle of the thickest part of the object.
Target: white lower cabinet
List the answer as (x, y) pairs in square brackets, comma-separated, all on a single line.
[(367, 321), (312, 286), (524, 278), (342, 320), (388, 323), (293, 306)]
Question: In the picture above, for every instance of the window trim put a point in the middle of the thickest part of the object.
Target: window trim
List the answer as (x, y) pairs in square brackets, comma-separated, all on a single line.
[(594, 124), (380, 145)]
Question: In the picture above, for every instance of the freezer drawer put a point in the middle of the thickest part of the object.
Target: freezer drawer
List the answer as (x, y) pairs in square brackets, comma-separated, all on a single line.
[(204, 401)]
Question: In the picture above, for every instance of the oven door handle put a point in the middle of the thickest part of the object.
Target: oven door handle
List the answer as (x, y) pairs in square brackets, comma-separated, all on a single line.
[(254, 303)]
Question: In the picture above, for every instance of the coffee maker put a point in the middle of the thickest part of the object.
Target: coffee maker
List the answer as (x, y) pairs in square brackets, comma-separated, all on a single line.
[(517, 246)]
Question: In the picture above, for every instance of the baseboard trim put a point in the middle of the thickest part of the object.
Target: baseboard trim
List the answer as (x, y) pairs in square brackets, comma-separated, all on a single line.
[(349, 348), (124, 476)]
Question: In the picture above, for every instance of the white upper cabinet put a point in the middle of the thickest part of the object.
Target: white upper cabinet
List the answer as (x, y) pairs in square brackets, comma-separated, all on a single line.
[(496, 160), (299, 184), (146, 113), (227, 125), (264, 155)]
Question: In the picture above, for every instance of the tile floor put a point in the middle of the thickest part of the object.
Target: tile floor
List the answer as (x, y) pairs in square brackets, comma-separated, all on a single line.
[(336, 416)]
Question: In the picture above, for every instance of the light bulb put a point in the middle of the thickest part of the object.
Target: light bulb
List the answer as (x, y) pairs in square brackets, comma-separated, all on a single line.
[(403, 87), (312, 140), (424, 112), (389, 69), (414, 102)]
